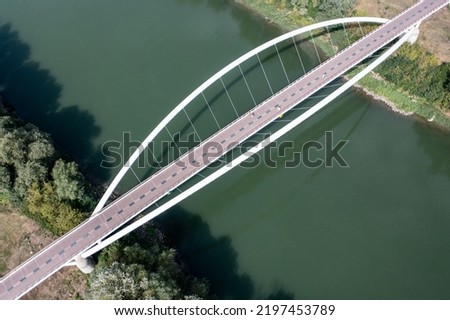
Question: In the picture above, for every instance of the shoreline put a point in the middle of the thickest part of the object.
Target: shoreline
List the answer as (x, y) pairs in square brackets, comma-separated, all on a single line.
[(431, 115), (380, 98)]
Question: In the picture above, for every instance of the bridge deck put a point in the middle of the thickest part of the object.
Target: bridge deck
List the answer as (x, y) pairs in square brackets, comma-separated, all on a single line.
[(63, 250)]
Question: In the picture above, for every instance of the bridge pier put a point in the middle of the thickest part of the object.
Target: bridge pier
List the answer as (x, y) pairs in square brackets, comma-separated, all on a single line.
[(414, 34), (86, 265)]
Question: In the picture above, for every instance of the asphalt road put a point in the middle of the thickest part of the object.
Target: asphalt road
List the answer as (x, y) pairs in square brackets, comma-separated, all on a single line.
[(55, 256)]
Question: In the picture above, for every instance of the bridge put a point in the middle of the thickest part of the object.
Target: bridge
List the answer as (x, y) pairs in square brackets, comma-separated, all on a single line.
[(108, 222)]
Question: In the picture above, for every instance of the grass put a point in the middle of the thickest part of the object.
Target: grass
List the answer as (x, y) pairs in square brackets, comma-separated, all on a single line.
[(373, 84)]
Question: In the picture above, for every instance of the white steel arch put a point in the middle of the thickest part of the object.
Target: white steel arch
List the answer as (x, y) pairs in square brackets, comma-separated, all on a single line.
[(213, 79), (249, 153)]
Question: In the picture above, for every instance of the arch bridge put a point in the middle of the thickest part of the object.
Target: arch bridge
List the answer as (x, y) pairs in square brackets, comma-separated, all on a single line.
[(111, 221)]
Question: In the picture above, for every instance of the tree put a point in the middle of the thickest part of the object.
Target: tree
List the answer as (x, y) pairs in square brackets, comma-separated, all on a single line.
[(68, 181), (160, 275), (332, 9), (428, 78), (42, 202), (118, 282), (13, 147), (27, 174), (41, 150)]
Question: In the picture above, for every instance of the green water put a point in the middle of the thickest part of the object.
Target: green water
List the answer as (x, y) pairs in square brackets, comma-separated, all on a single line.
[(86, 71)]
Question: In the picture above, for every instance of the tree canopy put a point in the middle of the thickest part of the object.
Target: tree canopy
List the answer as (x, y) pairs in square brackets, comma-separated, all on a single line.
[(35, 177), (141, 267)]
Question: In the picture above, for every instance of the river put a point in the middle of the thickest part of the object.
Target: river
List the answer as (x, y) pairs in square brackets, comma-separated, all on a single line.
[(87, 71)]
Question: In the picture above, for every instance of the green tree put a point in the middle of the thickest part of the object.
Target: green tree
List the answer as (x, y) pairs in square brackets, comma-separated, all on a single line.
[(41, 150), (68, 181), (427, 77), (118, 282), (13, 147), (27, 174), (332, 9), (43, 203), (164, 277)]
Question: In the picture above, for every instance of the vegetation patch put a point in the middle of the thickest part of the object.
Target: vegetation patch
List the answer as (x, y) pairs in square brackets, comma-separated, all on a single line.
[(38, 179), (141, 266)]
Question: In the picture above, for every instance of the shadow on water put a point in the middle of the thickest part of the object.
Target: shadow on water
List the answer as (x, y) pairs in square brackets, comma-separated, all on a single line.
[(213, 258), (34, 93)]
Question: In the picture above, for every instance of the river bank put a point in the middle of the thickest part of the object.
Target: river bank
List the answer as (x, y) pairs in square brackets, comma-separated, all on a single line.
[(373, 84), (43, 195)]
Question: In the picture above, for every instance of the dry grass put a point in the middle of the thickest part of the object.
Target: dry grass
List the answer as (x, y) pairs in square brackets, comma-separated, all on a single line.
[(435, 32), (21, 237)]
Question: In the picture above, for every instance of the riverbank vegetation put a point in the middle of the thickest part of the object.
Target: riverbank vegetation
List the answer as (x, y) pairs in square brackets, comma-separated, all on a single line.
[(141, 266), (46, 186), (36, 178), (415, 80)]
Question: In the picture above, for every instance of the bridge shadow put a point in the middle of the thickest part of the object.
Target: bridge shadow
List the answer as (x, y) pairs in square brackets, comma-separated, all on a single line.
[(34, 94), (313, 130), (210, 257)]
